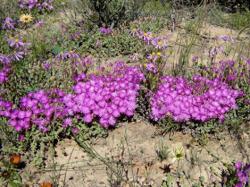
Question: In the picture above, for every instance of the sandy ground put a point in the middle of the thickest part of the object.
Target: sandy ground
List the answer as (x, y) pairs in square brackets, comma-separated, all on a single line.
[(135, 145)]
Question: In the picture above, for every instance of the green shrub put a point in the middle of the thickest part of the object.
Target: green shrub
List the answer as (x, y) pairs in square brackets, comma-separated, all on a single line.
[(108, 12), (8, 8), (119, 43), (234, 5)]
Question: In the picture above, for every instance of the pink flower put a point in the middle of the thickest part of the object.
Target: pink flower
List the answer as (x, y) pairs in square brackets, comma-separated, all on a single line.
[(21, 137)]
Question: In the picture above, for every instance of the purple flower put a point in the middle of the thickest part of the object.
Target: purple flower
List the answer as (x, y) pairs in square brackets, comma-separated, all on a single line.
[(27, 4), (39, 24), (105, 31), (159, 43), (68, 55), (195, 59), (238, 165), (46, 5), (75, 36), (5, 59), (239, 185), (75, 130), (147, 37), (80, 77), (151, 67), (248, 62), (46, 65), (17, 56), (216, 50), (242, 171), (16, 43), (153, 57), (40, 5), (225, 38), (67, 122), (21, 138), (8, 24), (4, 73)]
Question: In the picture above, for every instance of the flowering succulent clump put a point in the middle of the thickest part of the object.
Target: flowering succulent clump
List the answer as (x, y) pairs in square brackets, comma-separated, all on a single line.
[(5, 108), (36, 108), (106, 97), (8, 24), (39, 4), (200, 99)]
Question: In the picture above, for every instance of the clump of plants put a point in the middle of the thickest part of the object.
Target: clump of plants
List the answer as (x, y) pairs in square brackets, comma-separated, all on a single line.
[(10, 170), (200, 99), (236, 175), (39, 4), (113, 13)]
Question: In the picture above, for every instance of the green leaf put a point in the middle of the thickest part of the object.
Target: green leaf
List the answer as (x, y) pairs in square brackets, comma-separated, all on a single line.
[(56, 50)]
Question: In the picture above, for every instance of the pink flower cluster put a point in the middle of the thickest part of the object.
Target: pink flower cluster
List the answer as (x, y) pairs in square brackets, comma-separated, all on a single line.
[(159, 42), (200, 99), (106, 97), (37, 108), (5, 108), (40, 4)]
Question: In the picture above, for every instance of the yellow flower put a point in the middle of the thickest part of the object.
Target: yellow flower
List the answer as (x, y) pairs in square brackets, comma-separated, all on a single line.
[(160, 43), (178, 154), (134, 30), (26, 18), (159, 53)]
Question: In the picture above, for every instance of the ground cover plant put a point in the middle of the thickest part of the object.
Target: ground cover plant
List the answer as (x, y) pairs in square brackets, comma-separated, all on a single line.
[(167, 82)]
